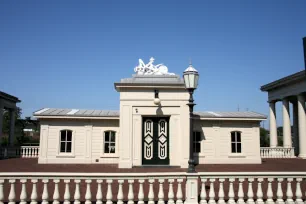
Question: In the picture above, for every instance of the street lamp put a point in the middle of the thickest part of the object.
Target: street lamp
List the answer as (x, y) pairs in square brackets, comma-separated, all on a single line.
[(191, 78)]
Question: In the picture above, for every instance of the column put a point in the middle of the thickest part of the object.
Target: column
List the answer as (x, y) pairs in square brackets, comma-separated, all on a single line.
[(273, 127), (286, 124), (295, 128), (1, 118), (12, 127), (302, 126)]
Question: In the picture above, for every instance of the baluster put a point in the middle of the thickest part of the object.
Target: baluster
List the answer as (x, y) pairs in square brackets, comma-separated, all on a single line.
[(77, 191), (221, 192), (131, 192), (56, 192), (212, 192), (151, 192), (22, 152), (203, 192), (88, 192), (67, 192), (250, 193), (120, 192), (140, 193), (289, 193), (240, 192), (25, 152), (109, 194), (1, 191), (170, 193), (161, 192), (34, 192), (99, 192), (231, 193), (279, 192), (270, 192), (23, 194), (179, 193), (259, 193), (12, 194), (298, 192), (45, 195)]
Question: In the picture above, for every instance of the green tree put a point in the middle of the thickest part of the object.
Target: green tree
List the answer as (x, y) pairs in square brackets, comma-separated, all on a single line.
[(264, 139)]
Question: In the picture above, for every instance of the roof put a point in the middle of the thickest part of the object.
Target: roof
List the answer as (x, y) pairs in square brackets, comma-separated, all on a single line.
[(285, 80), (81, 113), (9, 97), (151, 81)]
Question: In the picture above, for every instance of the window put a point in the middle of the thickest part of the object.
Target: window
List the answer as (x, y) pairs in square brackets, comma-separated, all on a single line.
[(196, 142), (66, 141), (236, 142), (109, 142)]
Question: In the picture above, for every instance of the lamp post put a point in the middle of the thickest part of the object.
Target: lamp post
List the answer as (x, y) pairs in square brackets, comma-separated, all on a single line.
[(191, 78)]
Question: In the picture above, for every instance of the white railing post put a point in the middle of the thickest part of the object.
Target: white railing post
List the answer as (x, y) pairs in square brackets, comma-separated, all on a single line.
[(231, 193), (23, 193), (191, 189), (45, 195), (34, 192), (131, 192), (77, 195), (161, 192), (151, 192), (140, 193), (67, 192), (179, 193), (1, 191), (250, 193), (99, 192), (109, 194), (279, 192), (298, 192), (289, 193), (120, 192), (203, 192), (88, 192), (221, 191), (270, 192), (170, 193), (259, 193), (212, 191), (240, 191), (12, 194), (56, 192)]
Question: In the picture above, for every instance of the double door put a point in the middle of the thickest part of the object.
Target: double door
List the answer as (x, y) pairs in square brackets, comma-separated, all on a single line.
[(155, 141)]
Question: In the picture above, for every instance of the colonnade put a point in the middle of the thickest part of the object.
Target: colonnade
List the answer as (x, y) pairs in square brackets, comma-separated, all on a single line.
[(299, 124)]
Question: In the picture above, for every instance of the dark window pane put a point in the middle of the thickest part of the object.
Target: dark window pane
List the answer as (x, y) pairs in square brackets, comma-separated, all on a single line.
[(106, 147), (62, 146), (69, 135), (238, 147), (198, 136), (238, 137), (233, 147), (112, 148), (113, 139), (106, 136), (68, 148), (63, 135), (233, 139), (198, 147)]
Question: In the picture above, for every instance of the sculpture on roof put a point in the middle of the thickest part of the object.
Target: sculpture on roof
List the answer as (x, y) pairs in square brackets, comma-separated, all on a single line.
[(151, 69)]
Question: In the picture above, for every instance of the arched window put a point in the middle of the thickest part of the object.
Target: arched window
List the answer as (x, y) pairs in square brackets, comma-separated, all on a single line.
[(109, 142), (66, 141), (236, 141)]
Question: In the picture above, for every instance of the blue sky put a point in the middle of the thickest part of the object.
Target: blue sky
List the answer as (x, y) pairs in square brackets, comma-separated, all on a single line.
[(68, 54)]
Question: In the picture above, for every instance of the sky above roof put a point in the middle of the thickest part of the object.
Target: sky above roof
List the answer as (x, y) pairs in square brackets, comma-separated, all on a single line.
[(68, 54)]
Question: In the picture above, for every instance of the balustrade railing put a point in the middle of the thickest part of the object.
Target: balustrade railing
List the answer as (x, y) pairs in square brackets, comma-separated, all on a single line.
[(277, 152), (208, 188), (29, 151)]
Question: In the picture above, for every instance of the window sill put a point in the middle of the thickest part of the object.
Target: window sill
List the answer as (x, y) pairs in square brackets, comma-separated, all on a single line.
[(65, 156), (109, 156), (236, 155)]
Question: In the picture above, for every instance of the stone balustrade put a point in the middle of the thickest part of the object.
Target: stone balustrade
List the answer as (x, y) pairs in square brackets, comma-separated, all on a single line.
[(205, 188), (277, 152), (29, 151)]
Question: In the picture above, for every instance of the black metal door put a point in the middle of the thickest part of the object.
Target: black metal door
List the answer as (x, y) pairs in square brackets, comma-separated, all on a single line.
[(155, 141)]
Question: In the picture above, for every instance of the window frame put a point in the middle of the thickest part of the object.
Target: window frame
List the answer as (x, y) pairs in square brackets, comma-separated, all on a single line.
[(66, 154), (236, 142), (116, 153), (197, 142)]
